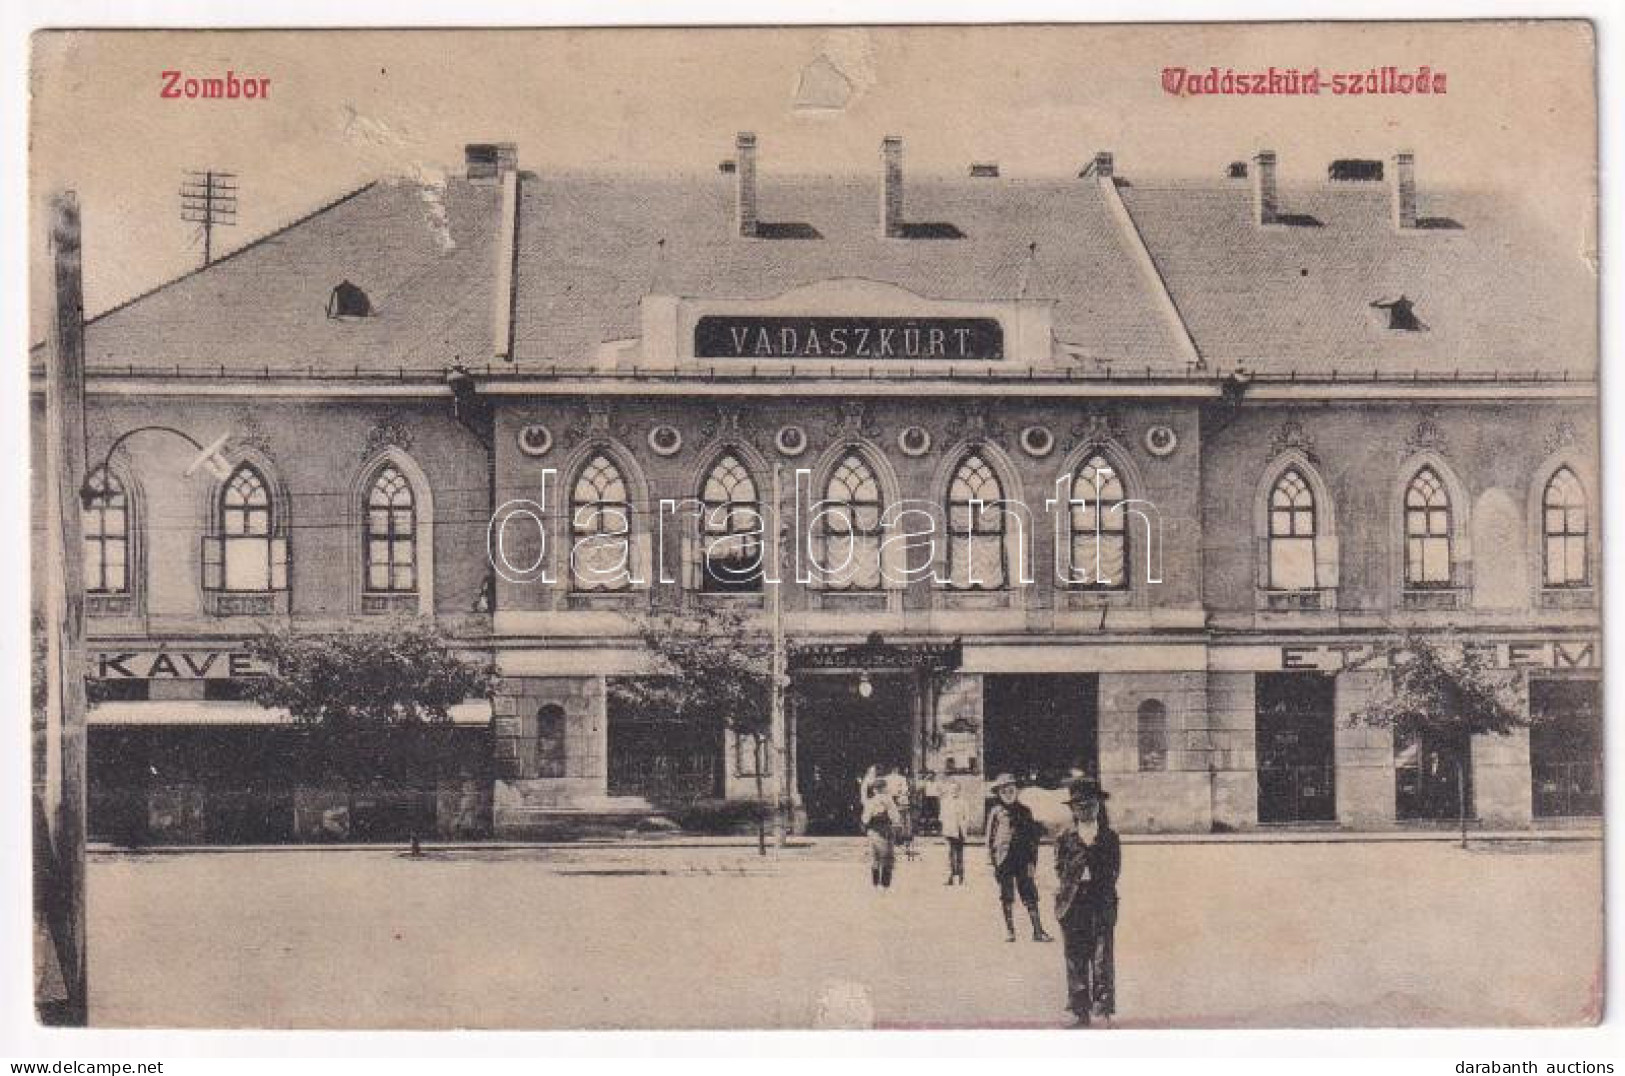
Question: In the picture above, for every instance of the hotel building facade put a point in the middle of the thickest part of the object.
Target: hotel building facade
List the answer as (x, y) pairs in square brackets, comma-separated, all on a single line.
[(1246, 431)]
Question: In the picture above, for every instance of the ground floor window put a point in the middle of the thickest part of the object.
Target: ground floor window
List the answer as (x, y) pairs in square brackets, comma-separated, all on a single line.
[(1433, 776), (665, 759), (1296, 748), (1565, 747)]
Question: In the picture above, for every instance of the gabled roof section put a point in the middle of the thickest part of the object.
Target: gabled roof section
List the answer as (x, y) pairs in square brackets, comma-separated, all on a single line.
[(590, 247), (1492, 290), (421, 254)]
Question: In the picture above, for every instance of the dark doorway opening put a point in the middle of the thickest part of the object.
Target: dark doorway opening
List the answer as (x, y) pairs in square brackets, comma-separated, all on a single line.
[(1433, 777), (1296, 751), (840, 734), (1565, 747), (1041, 726)]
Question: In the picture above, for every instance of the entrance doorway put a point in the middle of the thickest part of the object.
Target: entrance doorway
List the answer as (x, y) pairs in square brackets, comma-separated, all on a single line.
[(1040, 726), (1296, 761), (1433, 777), (840, 734), (1565, 747)]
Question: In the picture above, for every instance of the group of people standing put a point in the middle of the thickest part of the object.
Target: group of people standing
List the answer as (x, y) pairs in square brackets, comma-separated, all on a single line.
[(1088, 857)]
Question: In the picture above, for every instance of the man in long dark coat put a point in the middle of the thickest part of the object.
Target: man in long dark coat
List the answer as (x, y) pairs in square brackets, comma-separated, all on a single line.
[(1088, 857)]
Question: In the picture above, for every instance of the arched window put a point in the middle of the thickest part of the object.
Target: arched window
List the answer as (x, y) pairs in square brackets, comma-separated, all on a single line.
[(1153, 734), (389, 544), (550, 749), (601, 523), (1292, 533), (248, 553), (1099, 534), (730, 529), (1566, 531), (106, 526), (976, 530), (1427, 531), (849, 533)]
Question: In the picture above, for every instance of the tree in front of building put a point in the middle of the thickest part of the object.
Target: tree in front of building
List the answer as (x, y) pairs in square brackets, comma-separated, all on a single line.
[(377, 702), (712, 670), (1440, 690)]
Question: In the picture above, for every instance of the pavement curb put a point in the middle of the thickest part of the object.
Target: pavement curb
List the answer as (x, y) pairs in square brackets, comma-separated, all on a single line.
[(803, 844)]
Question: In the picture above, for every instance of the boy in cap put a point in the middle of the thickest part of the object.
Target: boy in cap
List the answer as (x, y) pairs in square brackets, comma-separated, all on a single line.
[(1012, 846)]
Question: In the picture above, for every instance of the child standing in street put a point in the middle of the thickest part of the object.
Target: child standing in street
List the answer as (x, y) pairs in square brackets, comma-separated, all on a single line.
[(955, 826), (881, 823)]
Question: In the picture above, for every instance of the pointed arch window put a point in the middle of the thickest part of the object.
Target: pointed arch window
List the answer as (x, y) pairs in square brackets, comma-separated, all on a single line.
[(389, 542), (1427, 531), (1292, 533), (976, 527), (1099, 535), (106, 527), (1566, 531), (848, 538), (730, 529), (249, 552), (601, 526)]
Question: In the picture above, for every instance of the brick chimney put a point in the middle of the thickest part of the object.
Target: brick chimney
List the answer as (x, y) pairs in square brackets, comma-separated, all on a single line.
[(489, 161), (1266, 206), (1404, 189), (1103, 164), (891, 187), (745, 184)]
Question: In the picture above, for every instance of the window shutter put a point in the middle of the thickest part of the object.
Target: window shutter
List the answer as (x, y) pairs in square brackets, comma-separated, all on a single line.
[(279, 563), (1326, 561), (214, 562)]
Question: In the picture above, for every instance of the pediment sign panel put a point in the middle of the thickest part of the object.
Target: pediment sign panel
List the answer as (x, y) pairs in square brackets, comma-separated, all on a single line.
[(845, 321)]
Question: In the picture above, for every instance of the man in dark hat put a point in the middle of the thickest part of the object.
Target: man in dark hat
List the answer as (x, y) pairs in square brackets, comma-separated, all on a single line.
[(1088, 856), (1012, 846)]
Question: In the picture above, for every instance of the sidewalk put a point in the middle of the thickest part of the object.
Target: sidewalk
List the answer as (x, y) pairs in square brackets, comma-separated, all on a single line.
[(694, 841)]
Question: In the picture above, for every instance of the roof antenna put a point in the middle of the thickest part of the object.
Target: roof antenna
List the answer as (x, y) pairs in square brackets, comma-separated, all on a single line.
[(209, 198)]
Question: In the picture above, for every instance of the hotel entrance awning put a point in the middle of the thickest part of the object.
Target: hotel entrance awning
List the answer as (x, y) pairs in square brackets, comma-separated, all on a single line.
[(874, 654)]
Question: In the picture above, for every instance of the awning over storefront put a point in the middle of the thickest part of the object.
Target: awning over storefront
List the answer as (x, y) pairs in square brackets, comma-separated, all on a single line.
[(191, 712)]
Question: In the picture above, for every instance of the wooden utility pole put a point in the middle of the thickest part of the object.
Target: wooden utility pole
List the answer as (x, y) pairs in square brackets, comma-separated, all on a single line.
[(65, 608), (781, 673)]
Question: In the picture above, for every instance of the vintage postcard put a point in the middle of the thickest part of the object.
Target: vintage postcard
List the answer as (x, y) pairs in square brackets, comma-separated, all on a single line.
[(874, 527)]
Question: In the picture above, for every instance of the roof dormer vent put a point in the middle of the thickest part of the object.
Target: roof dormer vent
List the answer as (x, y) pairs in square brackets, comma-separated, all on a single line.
[(348, 301)]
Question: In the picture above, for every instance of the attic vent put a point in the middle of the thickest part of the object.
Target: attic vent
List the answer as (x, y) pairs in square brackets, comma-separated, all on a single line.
[(1354, 170), (348, 301), (984, 170), (1237, 170), (1401, 314)]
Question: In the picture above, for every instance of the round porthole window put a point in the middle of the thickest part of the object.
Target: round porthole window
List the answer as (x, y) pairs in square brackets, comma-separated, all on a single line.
[(1037, 441), (665, 440), (792, 440), (1161, 440), (534, 439), (914, 441)]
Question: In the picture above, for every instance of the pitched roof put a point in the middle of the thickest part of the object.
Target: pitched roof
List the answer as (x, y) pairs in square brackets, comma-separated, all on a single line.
[(421, 254), (590, 249), (1495, 292)]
